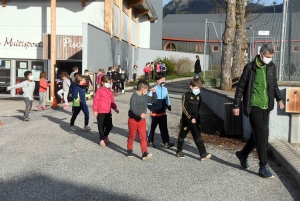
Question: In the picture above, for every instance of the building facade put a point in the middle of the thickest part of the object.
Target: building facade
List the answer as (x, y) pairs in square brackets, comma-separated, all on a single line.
[(26, 27)]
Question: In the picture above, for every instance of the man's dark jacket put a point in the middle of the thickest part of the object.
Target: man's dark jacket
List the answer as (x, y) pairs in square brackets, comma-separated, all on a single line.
[(198, 66), (246, 85)]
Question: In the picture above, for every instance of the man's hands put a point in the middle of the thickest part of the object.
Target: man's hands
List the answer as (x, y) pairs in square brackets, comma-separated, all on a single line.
[(96, 114), (143, 115), (193, 121), (117, 111), (236, 112), (281, 104), (153, 89)]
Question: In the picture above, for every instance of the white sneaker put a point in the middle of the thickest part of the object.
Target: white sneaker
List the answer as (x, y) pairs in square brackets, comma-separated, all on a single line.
[(123, 91), (87, 128), (73, 128)]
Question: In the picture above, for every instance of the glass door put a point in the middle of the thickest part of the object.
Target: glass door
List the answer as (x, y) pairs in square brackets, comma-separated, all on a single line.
[(4, 76)]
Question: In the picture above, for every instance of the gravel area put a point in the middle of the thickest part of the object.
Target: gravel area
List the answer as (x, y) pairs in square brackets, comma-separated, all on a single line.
[(42, 160)]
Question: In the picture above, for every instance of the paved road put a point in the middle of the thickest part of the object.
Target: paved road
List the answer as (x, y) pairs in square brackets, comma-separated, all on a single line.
[(42, 160)]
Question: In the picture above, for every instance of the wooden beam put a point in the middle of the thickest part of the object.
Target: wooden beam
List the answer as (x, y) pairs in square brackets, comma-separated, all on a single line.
[(134, 2), (136, 20), (83, 3), (120, 20), (108, 16), (140, 12), (53, 46), (129, 25), (4, 3)]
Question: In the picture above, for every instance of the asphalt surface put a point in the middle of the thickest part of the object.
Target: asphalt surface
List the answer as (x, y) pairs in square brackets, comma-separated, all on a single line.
[(42, 160)]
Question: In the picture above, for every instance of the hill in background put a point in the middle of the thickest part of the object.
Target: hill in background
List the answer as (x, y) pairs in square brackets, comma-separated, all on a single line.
[(212, 6)]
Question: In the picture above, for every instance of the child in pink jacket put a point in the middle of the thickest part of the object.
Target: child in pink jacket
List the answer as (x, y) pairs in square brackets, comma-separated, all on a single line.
[(102, 105)]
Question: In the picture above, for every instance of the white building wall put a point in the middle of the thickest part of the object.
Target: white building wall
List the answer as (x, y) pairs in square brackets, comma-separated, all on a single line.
[(26, 22), (144, 32), (116, 20)]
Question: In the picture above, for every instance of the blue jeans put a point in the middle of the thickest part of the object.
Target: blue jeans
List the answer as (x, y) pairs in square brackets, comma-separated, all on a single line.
[(197, 75)]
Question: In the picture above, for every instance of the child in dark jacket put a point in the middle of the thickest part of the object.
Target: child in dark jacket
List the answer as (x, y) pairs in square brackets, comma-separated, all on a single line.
[(102, 105), (79, 92), (137, 117), (115, 80), (190, 120), (123, 78), (158, 112)]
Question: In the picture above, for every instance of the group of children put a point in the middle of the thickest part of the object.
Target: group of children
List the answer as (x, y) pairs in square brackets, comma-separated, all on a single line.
[(118, 78), (156, 100)]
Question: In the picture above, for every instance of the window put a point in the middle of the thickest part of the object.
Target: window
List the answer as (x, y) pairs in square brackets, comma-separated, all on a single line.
[(296, 48), (170, 47), (277, 48), (4, 76), (199, 48), (215, 48)]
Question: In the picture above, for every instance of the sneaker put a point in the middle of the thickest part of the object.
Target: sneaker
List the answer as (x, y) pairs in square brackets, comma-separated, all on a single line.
[(44, 108), (243, 159), (123, 92), (168, 145), (106, 140), (264, 172), (26, 119), (150, 144), (179, 154), (61, 100), (65, 106), (87, 128), (205, 156), (39, 107), (102, 143), (129, 153), (146, 156), (72, 128)]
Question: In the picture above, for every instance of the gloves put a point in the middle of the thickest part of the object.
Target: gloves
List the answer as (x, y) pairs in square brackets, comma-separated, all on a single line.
[(169, 107)]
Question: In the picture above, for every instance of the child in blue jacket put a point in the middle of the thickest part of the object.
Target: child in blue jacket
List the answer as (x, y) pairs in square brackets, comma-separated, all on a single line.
[(158, 112), (79, 92)]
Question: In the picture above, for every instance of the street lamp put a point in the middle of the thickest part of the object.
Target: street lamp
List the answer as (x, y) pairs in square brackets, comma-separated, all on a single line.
[(252, 42), (273, 32)]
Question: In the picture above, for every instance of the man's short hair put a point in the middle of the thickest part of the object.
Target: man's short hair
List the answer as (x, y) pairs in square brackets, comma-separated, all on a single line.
[(86, 70), (142, 84), (75, 68), (267, 48), (197, 56), (196, 82), (159, 75)]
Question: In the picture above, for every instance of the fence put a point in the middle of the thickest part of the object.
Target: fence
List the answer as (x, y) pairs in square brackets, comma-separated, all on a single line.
[(290, 42)]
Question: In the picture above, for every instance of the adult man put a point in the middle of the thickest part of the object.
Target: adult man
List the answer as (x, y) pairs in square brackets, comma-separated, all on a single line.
[(197, 67), (258, 86)]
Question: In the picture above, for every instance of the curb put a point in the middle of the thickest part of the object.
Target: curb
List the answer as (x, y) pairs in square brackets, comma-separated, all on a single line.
[(173, 80), (288, 157)]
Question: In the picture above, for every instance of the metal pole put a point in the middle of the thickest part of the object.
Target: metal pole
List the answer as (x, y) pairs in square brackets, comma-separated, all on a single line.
[(204, 60), (53, 46), (283, 36)]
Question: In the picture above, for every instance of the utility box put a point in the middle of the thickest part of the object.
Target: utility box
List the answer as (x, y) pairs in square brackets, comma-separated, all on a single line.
[(292, 100), (233, 124)]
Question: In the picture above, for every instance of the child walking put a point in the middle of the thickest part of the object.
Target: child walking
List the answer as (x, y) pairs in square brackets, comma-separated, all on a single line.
[(158, 112), (123, 78), (79, 92), (137, 117), (115, 80), (63, 93), (190, 120), (43, 90), (102, 105), (28, 87)]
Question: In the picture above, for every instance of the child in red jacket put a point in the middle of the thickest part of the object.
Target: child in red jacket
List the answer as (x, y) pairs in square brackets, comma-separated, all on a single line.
[(43, 90), (102, 105), (147, 70)]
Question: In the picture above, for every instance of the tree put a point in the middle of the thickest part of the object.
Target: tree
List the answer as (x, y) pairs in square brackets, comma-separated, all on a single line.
[(241, 40), (228, 38)]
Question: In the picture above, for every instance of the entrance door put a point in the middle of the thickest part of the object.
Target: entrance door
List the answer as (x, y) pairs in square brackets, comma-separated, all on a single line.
[(4, 76)]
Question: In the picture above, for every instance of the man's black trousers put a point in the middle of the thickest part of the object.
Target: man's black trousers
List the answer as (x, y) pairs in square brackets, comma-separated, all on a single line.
[(259, 120)]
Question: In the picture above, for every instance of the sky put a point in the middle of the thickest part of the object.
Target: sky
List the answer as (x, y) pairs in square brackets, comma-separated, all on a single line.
[(268, 2)]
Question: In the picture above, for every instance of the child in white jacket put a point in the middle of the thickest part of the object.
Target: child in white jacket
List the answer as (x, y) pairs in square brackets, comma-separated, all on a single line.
[(28, 87)]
